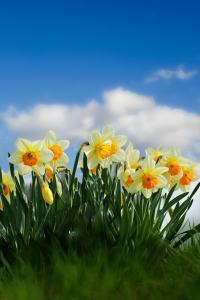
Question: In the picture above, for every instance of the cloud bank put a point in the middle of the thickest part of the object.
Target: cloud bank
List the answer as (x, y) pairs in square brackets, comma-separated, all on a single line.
[(168, 74), (145, 123)]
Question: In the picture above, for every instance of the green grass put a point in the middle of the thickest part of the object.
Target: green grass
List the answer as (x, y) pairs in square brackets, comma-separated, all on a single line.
[(104, 275)]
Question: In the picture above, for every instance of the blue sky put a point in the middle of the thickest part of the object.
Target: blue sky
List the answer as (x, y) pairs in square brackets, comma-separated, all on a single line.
[(66, 54)]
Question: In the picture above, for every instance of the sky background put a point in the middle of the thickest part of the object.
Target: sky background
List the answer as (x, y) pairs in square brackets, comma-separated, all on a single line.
[(74, 66)]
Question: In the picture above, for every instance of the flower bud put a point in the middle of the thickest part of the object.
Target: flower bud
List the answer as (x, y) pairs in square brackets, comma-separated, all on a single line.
[(47, 194)]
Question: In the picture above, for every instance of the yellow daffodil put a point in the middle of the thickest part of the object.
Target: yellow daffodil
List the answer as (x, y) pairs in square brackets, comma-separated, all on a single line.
[(8, 185), (49, 174), (132, 156), (80, 165), (47, 194), (57, 148), (190, 174), (100, 147), (117, 154), (125, 175), (174, 162), (156, 153), (30, 156), (149, 179)]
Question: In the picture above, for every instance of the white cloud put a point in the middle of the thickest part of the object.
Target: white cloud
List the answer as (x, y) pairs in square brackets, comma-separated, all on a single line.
[(138, 117), (167, 74)]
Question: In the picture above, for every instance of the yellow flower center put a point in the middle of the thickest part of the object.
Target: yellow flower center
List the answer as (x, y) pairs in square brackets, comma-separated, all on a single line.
[(134, 166), (30, 158), (5, 190), (57, 151), (129, 180), (149, 181), (187, 178), (49, 174), (103, 151), (174, 168), (113, 147), (95, 169)]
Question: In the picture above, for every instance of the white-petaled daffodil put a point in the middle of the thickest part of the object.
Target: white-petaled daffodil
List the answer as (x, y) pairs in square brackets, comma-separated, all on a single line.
[(149, 179), (30, 156), (100, 147), (174, 161), (57, 148), (8, 185), (155, 153), (190, 174)]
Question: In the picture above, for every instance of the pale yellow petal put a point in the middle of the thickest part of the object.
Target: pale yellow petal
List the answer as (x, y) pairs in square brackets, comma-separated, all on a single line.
[(50, 139), (146, 192), (64, 144), (63, 160), (178, 176), (162, 181), (94, 138), (134, 157), (108, 128), (37, 146), (158, 171), (175, 152), (150, 152), (138, 175), (39, 168), (93, 160), (148, 164), (22, 145), (45, 155), (23, 169), (135, 186), (15, 158), (129, 148), (120, 140), (120, 172), (119, 156)]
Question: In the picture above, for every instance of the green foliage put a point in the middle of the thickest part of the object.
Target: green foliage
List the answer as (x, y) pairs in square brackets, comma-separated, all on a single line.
[(89, 215)]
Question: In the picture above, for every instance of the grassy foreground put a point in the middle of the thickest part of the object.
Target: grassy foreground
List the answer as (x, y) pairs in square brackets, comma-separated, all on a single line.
[(105, 276)]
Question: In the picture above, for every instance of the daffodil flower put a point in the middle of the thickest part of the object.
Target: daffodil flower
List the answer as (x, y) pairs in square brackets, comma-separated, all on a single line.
[(132, 156), (47, 194), (57, 148), (8, 185), (99, 148), (156, 153), (49, 173), (174, 162), (80, 165), (149, 179), (117, 154), (190, 174), (125, 175), (30, 156)]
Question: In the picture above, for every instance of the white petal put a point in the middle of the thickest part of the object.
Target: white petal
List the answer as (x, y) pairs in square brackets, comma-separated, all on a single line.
[(159, 170), (22, 145), (45, 155), (148, 164), (94, 138), (138, 175), (23, 169), (150, 152), (175, 152), (129, 148), (63, 160), (119, 156), (120, 140), (15, 158), (39, 168), (134, 157), (135, 186), (64, 144), (37, 146), (50, 139), (147, 192), (107, 128)]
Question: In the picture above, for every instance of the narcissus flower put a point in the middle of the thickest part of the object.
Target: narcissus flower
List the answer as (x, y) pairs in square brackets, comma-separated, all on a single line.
[(100, 147), (149, 179), (156, 153), (80, 165), (8, 184), (49, 177), (30, 156), (174, 162), (57, 148), (117, 154), (47, 194), (132, 156), (190, 174), (125, 175)]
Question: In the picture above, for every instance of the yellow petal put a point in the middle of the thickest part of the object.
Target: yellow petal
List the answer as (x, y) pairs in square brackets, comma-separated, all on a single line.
[(22, 145), (50, 139), (23, 169)]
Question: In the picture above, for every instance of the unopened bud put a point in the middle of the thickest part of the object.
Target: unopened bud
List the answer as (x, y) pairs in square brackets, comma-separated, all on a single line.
[(171, 210), (47, 194)]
